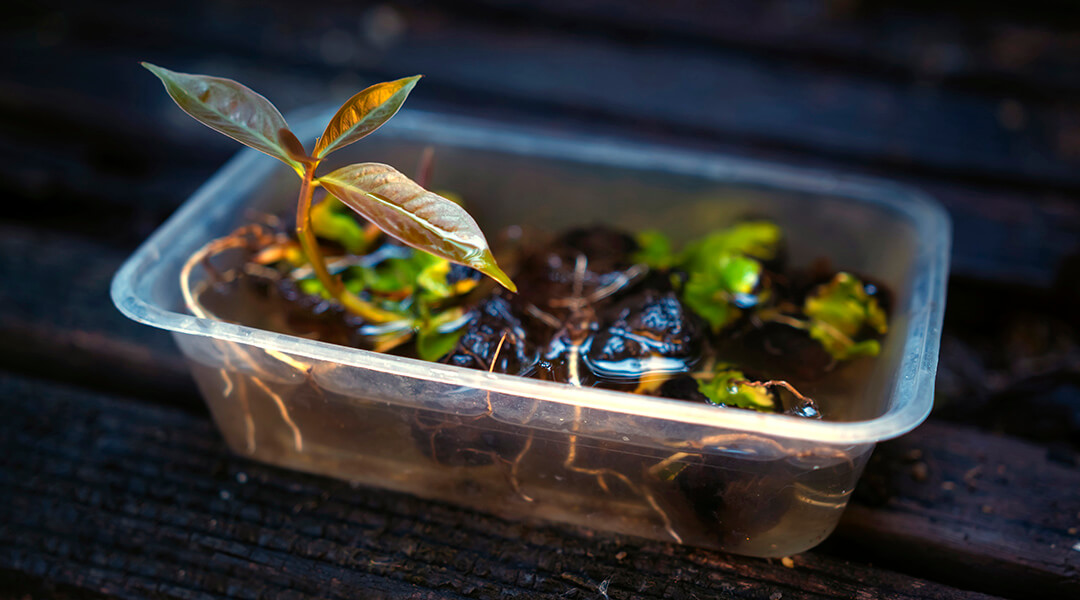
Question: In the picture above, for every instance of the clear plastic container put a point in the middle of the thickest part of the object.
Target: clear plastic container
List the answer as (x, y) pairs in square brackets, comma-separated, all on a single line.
[(730, 479)]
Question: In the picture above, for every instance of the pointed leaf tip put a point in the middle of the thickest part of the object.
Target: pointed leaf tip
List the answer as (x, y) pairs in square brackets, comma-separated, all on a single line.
[(364, 113), (232, 109), (489, 267)]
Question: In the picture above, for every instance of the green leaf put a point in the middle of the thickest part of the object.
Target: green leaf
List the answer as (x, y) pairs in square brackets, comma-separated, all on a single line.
[(737, 274), (654, 250), (756, 239), (364, 113), (332, 221), (711, 291), (839, 311), (235, 110), (432, 345), (388, 277), (723, 388), (313, 287), (433, 279), (438, 335), (417, 217), (703, 295)]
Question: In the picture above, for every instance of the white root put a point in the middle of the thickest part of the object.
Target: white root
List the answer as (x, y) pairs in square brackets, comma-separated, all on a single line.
[(191, 297)]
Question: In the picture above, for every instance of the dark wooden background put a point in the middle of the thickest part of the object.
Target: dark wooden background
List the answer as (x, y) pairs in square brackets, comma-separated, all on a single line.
[(114, 484)]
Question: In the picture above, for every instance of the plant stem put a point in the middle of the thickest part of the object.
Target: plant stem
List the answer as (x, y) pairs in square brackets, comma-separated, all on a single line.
[(310, 246), (306, 234)]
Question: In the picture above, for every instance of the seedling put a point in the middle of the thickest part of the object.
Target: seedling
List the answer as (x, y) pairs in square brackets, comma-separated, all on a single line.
[(722, 320), (379, 193)]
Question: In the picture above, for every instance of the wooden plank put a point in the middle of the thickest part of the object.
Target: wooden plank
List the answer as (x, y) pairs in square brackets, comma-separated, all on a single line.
[(960, 506), (77, 164), (1017, 49), (16, 584), (129, 500), (721, 92), (1009, 360), (56, 320)]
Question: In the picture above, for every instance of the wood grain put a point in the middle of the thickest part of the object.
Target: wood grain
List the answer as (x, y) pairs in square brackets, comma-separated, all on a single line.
[(57, 321), (973, 509)]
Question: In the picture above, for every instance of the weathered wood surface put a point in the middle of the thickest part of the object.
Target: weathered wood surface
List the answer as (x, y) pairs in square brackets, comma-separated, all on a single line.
[(720, 90), (972, 509), (56, 320), (130, 500), (1021, 50), (1005, 167), (109, 494)]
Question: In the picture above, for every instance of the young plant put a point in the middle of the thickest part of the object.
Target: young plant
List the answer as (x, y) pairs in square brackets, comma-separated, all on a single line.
[(379, 193)]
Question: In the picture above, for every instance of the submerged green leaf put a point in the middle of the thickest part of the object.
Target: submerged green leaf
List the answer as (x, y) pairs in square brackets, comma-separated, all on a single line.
[(234, 110), (437, 336), (314, 288), (756, 239), (364, 113), (433, 278), (394, 276), (332, 221), (654, 250), (723, 269), (716, 291), (432, 345), (839, 312), (727, 387), (417, 217)]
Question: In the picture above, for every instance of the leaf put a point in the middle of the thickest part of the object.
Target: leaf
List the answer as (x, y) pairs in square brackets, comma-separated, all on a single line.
[(723, 389), (433, 279), (398, 275), (654, 250), (393, 277), (313, 287), (756, 239), (331, 221), (364, 113), (438, 335), (723, 286), (432, 345), (235, 110), (417, 217), (839, 312)]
